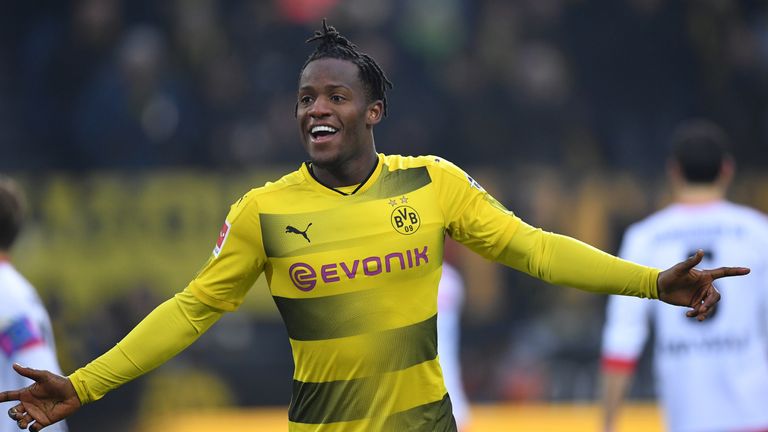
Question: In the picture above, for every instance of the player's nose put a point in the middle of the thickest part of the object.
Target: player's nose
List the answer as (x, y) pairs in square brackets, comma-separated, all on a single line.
[(321, 107)]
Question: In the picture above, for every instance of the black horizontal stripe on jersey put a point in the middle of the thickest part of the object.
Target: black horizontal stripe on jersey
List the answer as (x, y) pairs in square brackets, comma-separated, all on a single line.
[(339, 401), (392, 350), (342, 315), (433, 417)]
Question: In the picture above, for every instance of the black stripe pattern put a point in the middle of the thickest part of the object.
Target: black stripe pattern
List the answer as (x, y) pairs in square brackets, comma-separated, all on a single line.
[(342, 315), (435, 416)]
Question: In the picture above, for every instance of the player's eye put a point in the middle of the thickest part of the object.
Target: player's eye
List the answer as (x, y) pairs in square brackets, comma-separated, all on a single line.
[(338, 98), (305, 100)]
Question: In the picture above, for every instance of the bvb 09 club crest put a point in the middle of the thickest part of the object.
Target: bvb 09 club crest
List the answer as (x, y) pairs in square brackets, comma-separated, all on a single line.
[(405, 220)]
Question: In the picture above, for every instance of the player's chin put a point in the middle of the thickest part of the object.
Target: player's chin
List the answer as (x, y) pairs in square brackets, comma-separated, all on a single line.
[(324, 158)]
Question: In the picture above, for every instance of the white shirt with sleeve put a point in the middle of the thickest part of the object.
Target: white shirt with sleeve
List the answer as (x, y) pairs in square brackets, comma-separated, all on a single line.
[(450, 299), (25, 338), (710, 375)]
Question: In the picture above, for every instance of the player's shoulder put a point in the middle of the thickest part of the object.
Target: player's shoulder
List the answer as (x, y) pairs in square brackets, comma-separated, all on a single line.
[(656, 220), (752, 219), (270, 190), (643, 230), (398, 162), (677, 215), (436, 165), (12, 280), (17, 291), (278, 186), (749, 214)]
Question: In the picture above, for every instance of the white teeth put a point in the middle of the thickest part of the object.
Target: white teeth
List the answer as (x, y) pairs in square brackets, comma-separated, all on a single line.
[(323, 128)]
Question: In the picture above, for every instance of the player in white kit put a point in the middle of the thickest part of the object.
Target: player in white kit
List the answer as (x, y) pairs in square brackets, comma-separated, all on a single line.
[(710, 375), (450, 299), (25, 329)]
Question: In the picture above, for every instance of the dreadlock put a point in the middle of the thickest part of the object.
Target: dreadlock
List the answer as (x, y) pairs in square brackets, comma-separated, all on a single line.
[(334, 45)]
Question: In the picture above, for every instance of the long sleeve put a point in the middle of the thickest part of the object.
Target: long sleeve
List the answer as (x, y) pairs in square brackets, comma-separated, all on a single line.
[(165, 332), (563, 260), (477, 220)]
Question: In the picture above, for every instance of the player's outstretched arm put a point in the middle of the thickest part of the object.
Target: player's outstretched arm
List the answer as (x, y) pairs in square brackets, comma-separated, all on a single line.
[(46, 401), (683, 285)]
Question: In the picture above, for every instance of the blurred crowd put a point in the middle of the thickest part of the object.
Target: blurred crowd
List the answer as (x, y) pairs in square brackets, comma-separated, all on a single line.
[(570, 87), (100, 84)]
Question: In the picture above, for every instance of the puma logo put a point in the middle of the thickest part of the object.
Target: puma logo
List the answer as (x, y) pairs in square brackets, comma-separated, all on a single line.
[(292, 230)]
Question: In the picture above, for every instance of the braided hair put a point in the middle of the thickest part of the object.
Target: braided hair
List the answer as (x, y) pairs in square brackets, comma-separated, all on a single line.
[(334, 45)]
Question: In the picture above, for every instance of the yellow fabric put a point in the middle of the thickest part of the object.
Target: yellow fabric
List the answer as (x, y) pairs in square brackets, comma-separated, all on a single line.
[(355, 278), (412, 386), (368, 300), (233, 268), (165, 332), (563, 260), (481, 223)]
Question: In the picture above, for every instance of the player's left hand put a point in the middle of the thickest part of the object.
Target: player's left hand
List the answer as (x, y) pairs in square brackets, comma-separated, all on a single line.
[(684, 285)]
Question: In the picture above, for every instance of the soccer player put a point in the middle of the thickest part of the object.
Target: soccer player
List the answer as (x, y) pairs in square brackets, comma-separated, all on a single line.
[(712, 375), (25, 328), (351, 245), (450, 300)]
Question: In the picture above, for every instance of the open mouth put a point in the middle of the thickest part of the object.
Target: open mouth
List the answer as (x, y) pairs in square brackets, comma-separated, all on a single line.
[(322, 132)]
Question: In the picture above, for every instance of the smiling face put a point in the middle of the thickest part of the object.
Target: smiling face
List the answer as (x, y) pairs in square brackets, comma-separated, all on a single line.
[(336, 117)]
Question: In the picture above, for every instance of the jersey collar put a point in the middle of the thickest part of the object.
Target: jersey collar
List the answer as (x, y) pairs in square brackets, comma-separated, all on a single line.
[(360, 189)]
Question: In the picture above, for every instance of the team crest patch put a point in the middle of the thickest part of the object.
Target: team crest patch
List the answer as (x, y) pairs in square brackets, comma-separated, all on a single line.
[(405, 219), (222, 238)]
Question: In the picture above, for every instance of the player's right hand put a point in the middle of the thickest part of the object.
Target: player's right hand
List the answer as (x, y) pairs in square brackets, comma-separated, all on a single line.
[(49, 399)]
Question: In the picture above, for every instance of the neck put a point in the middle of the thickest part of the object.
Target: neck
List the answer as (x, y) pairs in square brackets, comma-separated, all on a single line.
[(345, 174), (700, 194), (4, 256)]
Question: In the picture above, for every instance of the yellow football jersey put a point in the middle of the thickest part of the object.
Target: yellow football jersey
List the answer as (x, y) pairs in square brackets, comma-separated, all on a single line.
[(354, 272), (355, 278)]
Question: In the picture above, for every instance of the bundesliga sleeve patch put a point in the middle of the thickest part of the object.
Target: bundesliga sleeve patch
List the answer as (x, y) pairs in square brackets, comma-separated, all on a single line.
[(474, 183), (20, 334), (222, 238)]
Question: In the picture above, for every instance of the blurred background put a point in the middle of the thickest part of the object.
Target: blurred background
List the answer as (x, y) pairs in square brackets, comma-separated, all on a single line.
[(134, 124)]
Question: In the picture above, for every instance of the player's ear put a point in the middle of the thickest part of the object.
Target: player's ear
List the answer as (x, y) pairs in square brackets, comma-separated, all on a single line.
[(674, 172), (727, 171), (375, 112)]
